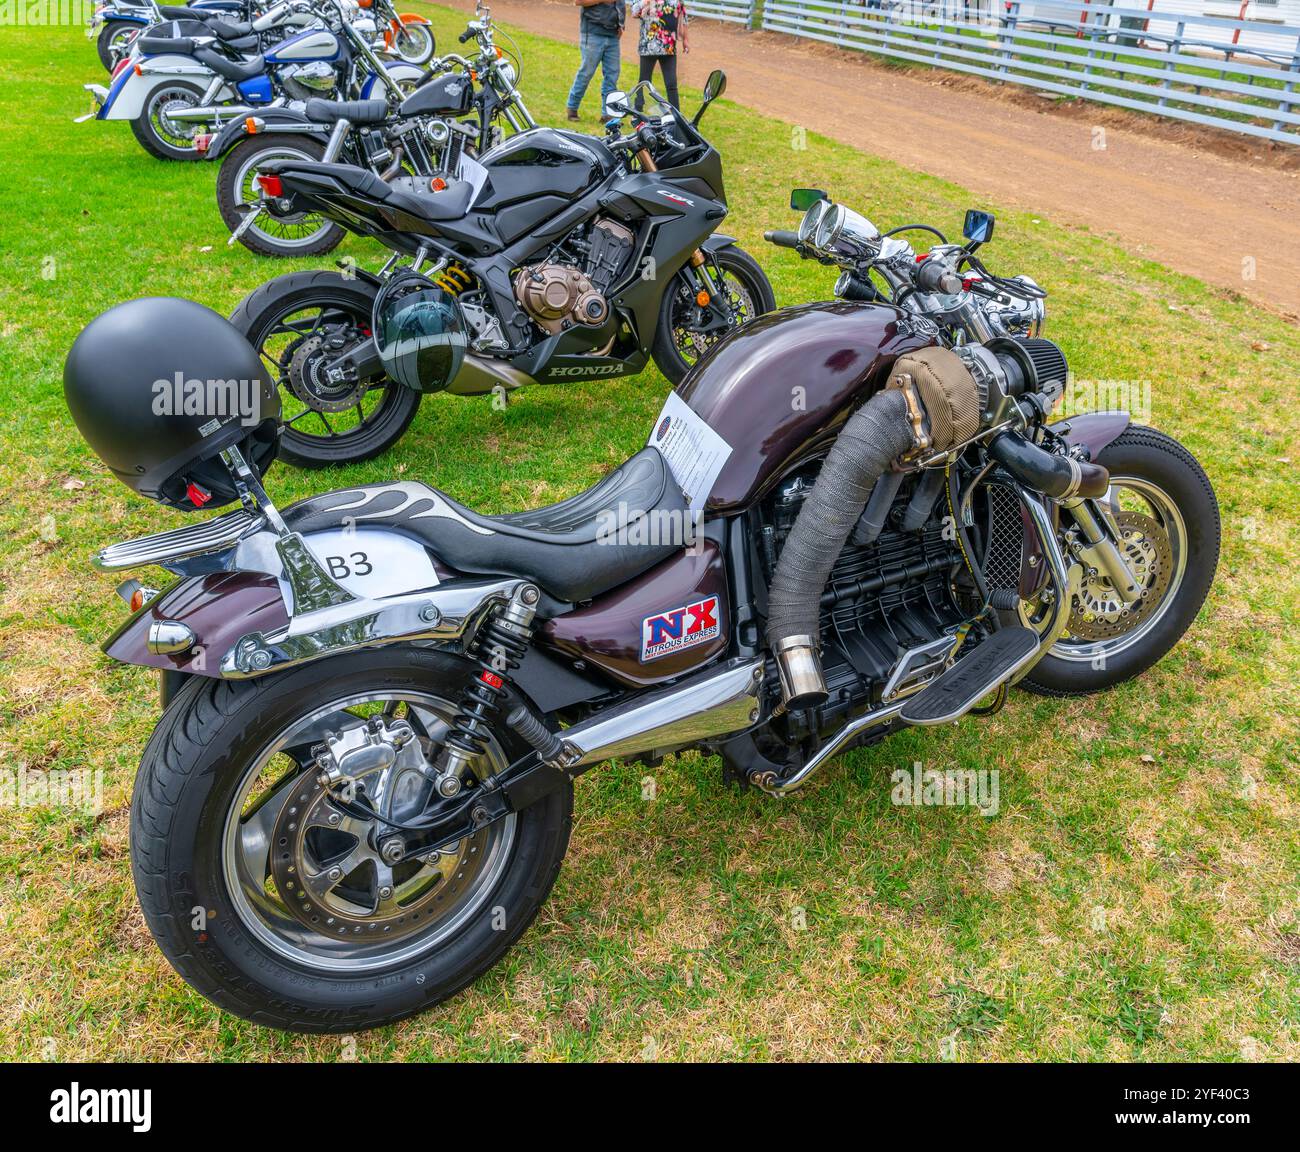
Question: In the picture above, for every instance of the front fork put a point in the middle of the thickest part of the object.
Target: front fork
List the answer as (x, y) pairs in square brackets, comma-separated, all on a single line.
[(1099, 549)]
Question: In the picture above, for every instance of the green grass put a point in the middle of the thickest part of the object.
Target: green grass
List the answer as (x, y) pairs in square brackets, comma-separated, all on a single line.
[(1136, 897)]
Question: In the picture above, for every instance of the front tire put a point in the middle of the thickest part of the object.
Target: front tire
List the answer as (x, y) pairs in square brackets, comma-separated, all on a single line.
[(1170, 517), (413, 42), (218, 902), (160, 136), (682, 336), (304, 234), (324, 424)]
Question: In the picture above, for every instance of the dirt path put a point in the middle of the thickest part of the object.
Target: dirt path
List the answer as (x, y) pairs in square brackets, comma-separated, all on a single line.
[(1209, 215)]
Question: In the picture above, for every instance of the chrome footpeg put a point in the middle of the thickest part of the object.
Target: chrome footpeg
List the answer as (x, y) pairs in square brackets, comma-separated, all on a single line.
[(985, 668)]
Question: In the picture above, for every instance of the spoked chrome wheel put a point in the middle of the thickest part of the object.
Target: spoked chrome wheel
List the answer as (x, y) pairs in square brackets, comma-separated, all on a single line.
[(291, 232), (1153, 540), (157, 130), (165, 101), (411, 42), (321, 886)]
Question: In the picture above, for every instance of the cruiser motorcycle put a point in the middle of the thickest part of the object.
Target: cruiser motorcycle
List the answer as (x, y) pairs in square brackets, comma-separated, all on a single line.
[(376, 700), (443, 121), (184, 75), (561, 257), (116, 24)]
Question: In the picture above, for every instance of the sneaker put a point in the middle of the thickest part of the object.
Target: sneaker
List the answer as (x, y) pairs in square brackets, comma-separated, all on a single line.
[(571, 114)]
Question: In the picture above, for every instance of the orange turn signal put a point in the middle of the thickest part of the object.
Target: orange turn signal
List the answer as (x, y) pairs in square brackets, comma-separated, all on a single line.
[(250, 126)]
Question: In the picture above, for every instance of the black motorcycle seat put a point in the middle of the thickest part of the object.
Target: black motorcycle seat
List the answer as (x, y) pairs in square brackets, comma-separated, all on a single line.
[(228, 69), (230, 30), (152, 44), (183, 12), (221, 27), (180, 35), (574, 550), (358, 111), (411, 194), (416, 195)]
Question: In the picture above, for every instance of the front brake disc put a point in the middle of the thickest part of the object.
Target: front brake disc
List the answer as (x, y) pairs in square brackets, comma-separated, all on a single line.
[(1098, 613)]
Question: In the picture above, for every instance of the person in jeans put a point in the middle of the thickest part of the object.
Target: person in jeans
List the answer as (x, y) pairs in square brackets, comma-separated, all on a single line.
[(602, 25), (663, 27)]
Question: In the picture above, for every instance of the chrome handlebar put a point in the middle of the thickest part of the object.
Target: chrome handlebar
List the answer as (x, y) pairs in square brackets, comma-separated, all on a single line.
[(931, 285)]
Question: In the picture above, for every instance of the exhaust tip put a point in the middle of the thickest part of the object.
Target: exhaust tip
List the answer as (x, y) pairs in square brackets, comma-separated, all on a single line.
[(802, 683)]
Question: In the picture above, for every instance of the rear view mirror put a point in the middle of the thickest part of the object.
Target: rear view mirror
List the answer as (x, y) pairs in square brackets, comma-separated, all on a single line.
[(616, 106), (801, 199), (714, 87), (978, 227)]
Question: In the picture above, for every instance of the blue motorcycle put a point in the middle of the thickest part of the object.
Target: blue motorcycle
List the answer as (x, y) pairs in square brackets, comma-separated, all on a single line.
[(120, 21), (182, 78)]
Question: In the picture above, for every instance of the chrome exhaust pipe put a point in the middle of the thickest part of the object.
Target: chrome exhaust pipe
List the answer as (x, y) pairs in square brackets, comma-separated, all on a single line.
[(204, 113), (714, 703)]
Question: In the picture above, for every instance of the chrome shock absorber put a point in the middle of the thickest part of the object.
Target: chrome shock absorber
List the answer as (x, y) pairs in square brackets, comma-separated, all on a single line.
[(497, 650)]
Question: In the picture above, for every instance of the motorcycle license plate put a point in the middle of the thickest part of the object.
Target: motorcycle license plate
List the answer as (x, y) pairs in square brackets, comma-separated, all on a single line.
[(373, 563)]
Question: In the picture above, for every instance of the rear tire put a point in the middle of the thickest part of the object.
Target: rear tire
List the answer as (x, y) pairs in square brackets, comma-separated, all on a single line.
[(193, 859), (239, 167), (156, 134), (675, 349), (258, 316), (1076, 668)]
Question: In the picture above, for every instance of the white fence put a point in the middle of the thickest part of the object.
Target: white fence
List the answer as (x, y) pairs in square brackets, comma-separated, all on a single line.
[(1243, 75), (733, 11)]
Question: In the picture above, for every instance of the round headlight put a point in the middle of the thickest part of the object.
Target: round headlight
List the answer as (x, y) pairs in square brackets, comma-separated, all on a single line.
[(843, 231)]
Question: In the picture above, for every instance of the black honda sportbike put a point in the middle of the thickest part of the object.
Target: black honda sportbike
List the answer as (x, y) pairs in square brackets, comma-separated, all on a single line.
[(559, 257)]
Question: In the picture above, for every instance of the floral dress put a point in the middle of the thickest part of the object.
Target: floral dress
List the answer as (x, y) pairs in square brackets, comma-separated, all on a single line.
[(661, 21)]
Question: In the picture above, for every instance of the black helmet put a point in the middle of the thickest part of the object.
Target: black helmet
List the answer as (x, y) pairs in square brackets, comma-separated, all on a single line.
[(420, 333), (159, 388)]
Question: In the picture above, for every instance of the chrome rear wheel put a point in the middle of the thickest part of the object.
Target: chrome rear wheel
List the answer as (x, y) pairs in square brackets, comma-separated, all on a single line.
[(323, 887)]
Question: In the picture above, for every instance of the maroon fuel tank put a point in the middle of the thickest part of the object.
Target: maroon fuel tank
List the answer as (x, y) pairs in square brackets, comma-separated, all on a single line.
[(779, 389), (664, 623)]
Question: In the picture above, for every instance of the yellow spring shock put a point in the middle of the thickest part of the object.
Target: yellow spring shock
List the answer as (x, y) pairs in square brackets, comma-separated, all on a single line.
[(454, 279)]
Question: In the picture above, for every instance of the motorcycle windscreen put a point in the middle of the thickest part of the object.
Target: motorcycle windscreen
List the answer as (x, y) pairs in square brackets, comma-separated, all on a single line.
[(421, 339)]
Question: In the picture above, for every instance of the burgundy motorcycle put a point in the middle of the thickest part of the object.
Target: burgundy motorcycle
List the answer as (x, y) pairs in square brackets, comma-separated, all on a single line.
[(851, 517)]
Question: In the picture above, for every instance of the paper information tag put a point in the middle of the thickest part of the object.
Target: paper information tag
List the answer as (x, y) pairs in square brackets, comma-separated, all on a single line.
[(695, 453)]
